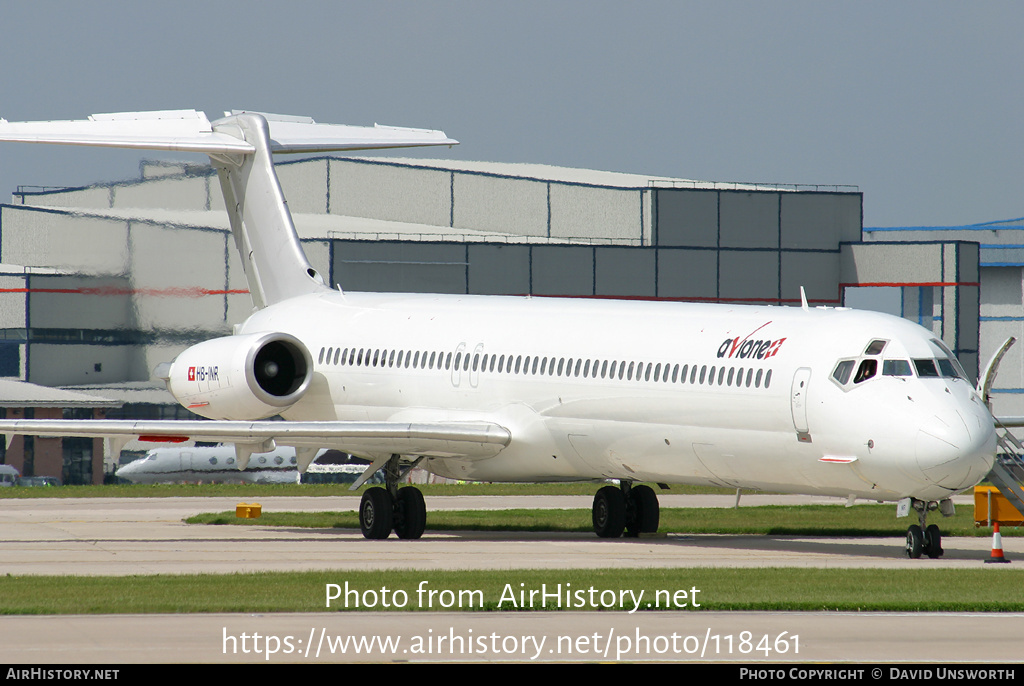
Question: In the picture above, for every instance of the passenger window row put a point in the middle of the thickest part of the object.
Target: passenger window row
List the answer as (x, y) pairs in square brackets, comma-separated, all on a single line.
[(537, 365)]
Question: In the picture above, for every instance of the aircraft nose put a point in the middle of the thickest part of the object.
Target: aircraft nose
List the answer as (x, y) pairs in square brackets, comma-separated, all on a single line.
[(955, 452)]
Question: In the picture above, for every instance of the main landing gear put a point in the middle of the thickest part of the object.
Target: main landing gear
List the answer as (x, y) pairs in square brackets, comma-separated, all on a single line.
[(630, 509), (382, 510), (924, 538)]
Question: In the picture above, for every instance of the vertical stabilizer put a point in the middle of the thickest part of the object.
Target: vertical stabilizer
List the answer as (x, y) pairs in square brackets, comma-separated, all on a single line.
[(276, 268), (240, 147)]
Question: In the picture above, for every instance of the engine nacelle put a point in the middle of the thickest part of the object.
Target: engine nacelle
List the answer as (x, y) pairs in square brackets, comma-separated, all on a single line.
[(248, 377)]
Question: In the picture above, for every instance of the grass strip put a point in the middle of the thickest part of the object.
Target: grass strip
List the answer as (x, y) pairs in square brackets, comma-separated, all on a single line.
[(777, 520), (775, 589)]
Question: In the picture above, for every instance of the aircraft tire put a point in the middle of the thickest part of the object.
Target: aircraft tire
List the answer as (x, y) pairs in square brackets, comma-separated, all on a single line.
[(376, 513), (609, 513), (915, 541), (410, 513), (933, 542), (645, 513)]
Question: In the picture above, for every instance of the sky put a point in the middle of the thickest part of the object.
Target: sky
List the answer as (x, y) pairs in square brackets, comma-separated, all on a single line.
[(919, 104)]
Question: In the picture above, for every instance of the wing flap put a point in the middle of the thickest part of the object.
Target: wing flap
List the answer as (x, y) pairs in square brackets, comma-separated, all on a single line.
[(474, 440)]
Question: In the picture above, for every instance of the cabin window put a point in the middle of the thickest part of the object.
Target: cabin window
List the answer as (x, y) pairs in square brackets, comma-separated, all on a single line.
[(757, 379), (321, 360), (767, 378)]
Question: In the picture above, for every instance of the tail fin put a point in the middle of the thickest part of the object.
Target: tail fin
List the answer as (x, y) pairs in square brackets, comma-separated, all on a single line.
[(240, 147)]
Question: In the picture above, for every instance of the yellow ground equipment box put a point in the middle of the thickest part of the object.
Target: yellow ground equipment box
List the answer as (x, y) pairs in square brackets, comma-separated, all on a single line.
[(991, 506), (247, 511)]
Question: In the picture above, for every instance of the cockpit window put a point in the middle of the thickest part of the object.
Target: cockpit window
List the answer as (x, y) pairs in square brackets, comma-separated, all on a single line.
[(843, 371), (896, 368), (947, 369), (958, 371), (926, 368), (867, 369), (875, 347)]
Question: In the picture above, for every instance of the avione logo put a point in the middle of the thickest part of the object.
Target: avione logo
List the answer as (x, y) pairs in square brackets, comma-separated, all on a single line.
[(746, 347)]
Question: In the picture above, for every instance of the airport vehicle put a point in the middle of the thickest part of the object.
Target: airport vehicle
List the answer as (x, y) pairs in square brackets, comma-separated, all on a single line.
[(8, 475), (798, 400)]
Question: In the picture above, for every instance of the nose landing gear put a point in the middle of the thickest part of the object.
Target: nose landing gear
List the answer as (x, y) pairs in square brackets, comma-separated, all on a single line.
[(923, 538)]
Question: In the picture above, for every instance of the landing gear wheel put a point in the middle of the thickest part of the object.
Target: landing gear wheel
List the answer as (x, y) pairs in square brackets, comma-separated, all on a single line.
[(643, 511), (410, 513), (609, 512), (376, 513), (933, 542), (915, 541)]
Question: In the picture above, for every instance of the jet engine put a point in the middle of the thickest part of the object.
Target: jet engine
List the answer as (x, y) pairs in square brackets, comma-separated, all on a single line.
[(246, 377)]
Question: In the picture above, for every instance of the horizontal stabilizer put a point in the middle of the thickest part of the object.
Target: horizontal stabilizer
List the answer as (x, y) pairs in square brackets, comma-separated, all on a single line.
[(181, 130), (290, 134), (191, 131)]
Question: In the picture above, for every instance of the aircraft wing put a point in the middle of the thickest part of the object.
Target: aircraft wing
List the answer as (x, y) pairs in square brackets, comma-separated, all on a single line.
[(474, 440)]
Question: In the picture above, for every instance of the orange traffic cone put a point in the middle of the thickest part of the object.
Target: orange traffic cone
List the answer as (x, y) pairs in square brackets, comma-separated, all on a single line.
[(997, 546)]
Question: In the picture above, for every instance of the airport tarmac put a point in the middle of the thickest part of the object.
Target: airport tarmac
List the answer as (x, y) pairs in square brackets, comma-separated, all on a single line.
[(119, 536)]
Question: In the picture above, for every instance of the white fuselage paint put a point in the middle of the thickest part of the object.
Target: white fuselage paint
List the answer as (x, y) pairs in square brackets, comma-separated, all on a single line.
[(885, 438)]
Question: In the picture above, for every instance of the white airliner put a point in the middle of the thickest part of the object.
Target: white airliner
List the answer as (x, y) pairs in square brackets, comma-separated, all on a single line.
[(824, 401)]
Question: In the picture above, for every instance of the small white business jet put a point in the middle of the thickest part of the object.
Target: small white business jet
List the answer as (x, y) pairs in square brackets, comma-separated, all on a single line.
[(210, 464), (823, 401), (219, 464)]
